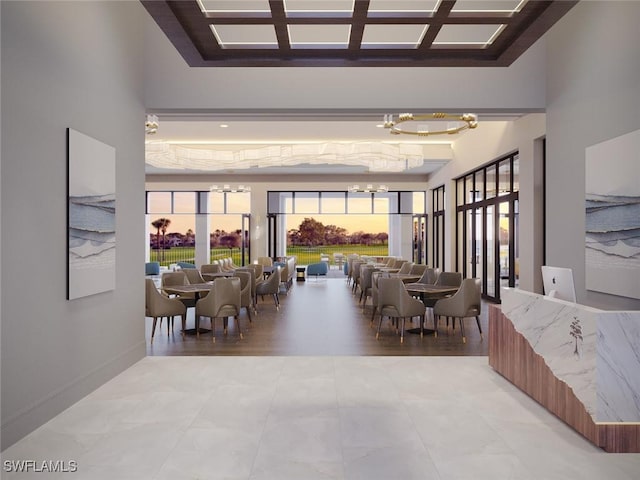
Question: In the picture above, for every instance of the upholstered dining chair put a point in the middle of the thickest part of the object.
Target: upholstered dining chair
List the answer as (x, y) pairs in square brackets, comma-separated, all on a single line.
[(405, 269), (158, 306), (394, 302), (210, 268), (223, 301), (429, 276), (179, 278), (271, 286), (366, 273), (355, 274), (464, 303), (449, 279), (265, 261), (194, 275), (418, 269), (246, 294)]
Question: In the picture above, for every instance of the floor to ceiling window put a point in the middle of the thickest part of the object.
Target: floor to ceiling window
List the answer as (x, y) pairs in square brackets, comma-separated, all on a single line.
[(176, 217), (310, 224), (487, 225)]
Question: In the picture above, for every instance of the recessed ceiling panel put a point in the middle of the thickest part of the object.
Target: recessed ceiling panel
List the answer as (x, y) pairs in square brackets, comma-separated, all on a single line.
[(393, 36), (319, 36), (462, 36), (354, 33), (318, 8), (396, 8), (488, 6), (245, 36), (226, 7)]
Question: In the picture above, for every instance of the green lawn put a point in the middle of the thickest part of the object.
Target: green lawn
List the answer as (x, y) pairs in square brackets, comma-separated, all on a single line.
[(306, 255)]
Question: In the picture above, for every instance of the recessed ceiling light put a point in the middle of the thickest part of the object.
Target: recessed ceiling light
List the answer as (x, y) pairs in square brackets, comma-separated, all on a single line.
[(380, 125), (224, 125)]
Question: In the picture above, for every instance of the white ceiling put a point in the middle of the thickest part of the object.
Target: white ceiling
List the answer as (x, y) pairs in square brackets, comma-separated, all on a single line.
[(253, 131)]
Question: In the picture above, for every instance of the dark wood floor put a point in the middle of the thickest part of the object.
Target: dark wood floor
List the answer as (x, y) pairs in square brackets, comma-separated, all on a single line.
[(316, 317)]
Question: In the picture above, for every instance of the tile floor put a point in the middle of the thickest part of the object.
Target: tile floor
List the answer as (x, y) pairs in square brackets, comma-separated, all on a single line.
[(314, 418)]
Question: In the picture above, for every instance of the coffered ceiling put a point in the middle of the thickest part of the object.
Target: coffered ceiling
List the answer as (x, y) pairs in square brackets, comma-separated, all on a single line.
[(462, 33)]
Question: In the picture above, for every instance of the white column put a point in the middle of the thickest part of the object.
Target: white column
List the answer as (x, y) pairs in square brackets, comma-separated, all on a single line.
[(203, 224), (147, 238)]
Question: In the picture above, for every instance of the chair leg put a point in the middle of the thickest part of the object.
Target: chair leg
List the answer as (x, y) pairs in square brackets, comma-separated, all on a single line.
[(237, 318), (212, 322), (464, 338), (184, 325), (153, 328), (402, 331), (249, 313), (379, 325), (479, 328), (435, 325), (373, 315)]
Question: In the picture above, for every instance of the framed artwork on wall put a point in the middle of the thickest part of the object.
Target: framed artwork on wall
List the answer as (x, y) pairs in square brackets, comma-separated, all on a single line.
[(91, 216), (612, 237)]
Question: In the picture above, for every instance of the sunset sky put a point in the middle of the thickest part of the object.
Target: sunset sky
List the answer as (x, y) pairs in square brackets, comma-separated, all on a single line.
[(360, 218)]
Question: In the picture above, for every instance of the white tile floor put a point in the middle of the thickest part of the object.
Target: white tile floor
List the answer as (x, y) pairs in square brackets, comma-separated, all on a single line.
[(314, 418)]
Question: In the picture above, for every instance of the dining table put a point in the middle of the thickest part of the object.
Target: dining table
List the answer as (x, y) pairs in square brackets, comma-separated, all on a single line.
[(197, 289), (424, 291)]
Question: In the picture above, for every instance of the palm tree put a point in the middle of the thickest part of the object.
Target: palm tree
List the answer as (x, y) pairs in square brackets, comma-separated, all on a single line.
[(161, 224)]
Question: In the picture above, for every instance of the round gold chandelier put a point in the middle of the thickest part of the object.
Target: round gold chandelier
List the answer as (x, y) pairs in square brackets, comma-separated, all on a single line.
[(469, 121)]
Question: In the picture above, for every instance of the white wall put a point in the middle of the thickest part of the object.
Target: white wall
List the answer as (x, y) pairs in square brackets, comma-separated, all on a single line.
[(593, 94), (77, 65)]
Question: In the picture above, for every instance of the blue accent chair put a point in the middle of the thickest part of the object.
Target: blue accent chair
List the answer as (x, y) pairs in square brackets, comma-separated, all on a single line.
[(320, 268), (186, 265), (152, 268)]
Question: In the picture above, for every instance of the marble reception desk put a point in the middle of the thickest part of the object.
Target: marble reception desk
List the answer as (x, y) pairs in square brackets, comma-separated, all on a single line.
[(581, 363)]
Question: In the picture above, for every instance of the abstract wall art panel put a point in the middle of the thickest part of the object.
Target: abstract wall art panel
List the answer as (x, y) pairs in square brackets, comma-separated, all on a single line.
[(91, 215), (613, 216)]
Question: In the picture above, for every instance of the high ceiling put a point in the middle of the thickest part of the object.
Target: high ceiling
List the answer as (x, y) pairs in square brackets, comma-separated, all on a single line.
[(335, 33), (462, 33)]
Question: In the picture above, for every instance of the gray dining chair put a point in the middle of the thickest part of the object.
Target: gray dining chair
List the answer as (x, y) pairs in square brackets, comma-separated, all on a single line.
[(158, 305), (223, 301), (466, 302)]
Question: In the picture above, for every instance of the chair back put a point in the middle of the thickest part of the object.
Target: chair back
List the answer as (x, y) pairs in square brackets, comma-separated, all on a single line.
[(405, 268), (451, 279), (265, 261), (194, 275), (245, 286), (174, 278), (152, 268), (418, 269), (210, 268), (223, 300), (472, 289), (430, 276), (157, 305), (398, 262), (388, 292), (366, 273), (270, 285)]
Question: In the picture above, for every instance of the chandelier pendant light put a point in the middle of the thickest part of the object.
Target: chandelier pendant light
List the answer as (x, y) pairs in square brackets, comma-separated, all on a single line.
[(469, 121), (229, 189), (368, 189)]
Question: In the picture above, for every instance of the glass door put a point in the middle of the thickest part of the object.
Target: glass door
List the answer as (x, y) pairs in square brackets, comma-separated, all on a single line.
[(419, 239)]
